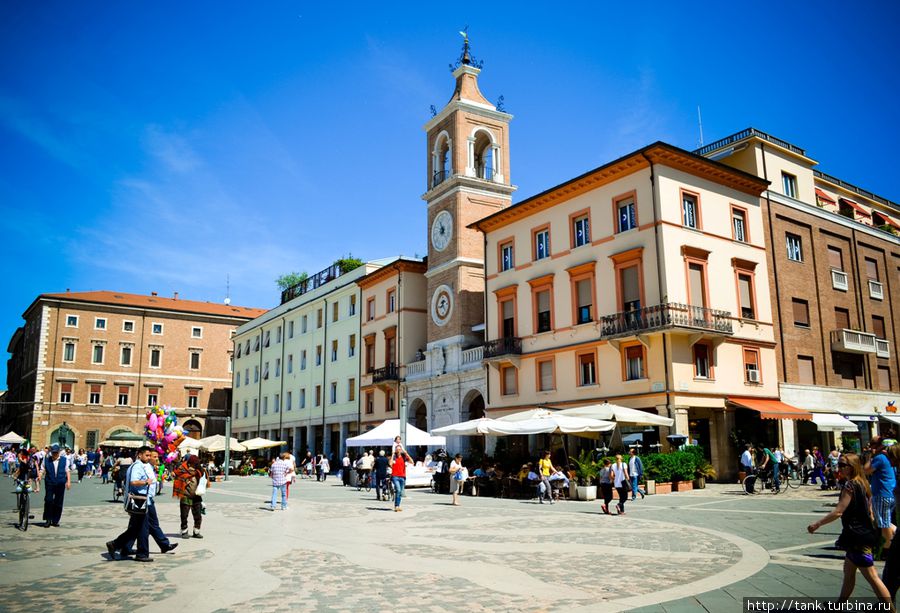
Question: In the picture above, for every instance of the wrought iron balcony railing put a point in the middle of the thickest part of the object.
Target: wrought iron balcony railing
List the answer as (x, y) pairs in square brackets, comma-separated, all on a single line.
[(388, 373), (439, 177), (661, 316), (509, 345)]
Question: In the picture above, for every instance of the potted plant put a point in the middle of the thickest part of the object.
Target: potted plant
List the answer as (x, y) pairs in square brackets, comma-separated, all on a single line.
[(585, 472), (703, 472), (684, 468), (658, 471)]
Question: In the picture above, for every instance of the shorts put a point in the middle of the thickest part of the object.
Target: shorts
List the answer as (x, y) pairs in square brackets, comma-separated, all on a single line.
[(456, 486), (883, 508), (861, 559)]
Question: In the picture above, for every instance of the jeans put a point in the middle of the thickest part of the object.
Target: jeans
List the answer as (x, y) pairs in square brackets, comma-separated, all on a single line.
[(275, 490), (635, 488), (399, 486)]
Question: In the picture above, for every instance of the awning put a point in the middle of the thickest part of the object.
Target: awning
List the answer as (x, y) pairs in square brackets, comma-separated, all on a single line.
[(771, 409), (894, 419), (831, 422), (857, 207), (887, 220), (824, 196)]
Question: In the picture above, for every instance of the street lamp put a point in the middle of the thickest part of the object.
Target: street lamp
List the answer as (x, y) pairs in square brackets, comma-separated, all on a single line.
[(63, 434)]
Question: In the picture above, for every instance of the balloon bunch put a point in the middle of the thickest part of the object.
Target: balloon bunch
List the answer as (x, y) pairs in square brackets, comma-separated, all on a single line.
[(163, 431)]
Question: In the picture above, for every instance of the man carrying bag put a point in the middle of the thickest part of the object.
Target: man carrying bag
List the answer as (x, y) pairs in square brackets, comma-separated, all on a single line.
[(137, 481)]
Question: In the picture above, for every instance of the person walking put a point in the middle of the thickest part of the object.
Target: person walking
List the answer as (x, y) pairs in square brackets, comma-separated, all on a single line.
[(636, 471), (184, 487), (55, 473), (883, 481), (398, 474), (859, 534), (81, 464), (324, 467), (292, 471), (381, 467), (345, 469), (278, 472), (545, 469), (890, 576), (621, 482), (138, 478), (458, 476), (606, 484), (153, 490), (105, 468), (747, 459)]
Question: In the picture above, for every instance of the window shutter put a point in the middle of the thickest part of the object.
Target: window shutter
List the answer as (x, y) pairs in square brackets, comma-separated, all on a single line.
[(698, 297), (878, 326), (835, 259), (95, 389), (872, 269), (744, 283), (631, 291), (67, 387), (801, 312), (543, 300), (546, 375), (805, 374), (584, 293), (507, 309), (842, 318)]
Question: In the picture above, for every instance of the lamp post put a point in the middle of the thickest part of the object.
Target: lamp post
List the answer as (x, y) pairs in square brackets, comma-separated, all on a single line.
[(63, 434)]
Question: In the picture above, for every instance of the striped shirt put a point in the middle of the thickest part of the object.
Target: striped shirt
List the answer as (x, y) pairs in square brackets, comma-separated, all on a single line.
[(279, 472)]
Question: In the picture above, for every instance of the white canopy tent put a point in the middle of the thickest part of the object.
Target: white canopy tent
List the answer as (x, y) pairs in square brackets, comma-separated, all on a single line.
[(216, 442), (11, 438), (384, 435), (832, 422), (619, 414), (261, 443)]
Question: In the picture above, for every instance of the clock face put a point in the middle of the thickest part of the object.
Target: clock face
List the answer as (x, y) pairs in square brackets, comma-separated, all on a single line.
[(441, 305), (442, 230)]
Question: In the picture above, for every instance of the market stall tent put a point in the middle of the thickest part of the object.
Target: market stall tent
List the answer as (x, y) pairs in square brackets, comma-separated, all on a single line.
[(384, 435)]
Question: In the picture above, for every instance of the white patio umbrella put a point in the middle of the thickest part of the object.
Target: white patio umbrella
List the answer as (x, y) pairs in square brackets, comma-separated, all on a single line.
[(547, 421), (11, 438), (189, 443), (216, 442), (473, 427), (261, 443), (619, 414)]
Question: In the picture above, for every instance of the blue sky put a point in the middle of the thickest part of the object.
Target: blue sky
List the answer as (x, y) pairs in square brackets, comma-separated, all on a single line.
[(167, 146)]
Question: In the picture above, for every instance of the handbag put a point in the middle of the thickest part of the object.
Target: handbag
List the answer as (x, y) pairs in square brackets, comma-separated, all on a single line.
[(136, 504), (201, 486)]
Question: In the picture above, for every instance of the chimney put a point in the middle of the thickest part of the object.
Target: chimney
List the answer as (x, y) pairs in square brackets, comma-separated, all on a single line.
[(176, 295), (153, 293), (68, 290)]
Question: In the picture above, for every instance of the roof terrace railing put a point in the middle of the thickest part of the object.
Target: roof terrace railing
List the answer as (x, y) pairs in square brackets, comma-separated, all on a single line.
[(312, 282), (728, 140)]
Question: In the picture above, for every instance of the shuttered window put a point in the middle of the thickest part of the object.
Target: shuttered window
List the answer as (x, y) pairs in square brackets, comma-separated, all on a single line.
[(884, 378), (801, 312), (123, 396), (631, 289), (805, 372), (585, 301), (697, 285), (745, 284), (65, 393), (545, 373), (842, 318), (835, 258), (871, 269), (587, 374), (509, 318), (878, 326), (543, 311), (509, 381)]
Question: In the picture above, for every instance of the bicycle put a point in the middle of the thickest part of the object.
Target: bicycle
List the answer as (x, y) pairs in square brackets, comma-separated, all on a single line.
[(23, 503), (387, 490), (757, 482), (364, 480)]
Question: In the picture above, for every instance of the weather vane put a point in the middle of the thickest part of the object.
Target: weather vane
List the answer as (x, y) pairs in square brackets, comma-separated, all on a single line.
[(465, 57)]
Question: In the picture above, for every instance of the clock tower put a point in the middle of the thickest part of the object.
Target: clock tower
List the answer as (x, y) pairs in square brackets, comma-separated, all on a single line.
[(467, 179)]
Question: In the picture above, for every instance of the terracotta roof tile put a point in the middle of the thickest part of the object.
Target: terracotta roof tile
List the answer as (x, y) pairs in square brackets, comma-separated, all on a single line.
[(159, 302)]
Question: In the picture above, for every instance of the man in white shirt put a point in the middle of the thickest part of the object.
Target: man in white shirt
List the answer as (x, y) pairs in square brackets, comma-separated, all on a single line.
[(345, 469), (747, 459)]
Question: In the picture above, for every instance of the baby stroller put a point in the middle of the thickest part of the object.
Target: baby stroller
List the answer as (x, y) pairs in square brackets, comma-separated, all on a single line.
[(118, 479), (830, 482)]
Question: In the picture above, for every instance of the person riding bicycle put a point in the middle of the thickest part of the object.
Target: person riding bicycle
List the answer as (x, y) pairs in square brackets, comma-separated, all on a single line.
[(771, 464), (364, 467)]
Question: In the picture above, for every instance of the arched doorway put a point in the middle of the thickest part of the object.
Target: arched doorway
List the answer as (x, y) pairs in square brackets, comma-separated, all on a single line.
[(419, 413), (63, 435), (473, 408), (193, 429)]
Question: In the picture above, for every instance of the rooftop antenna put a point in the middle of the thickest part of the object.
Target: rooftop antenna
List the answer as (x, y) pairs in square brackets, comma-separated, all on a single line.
[(227, 289), (700, 122)]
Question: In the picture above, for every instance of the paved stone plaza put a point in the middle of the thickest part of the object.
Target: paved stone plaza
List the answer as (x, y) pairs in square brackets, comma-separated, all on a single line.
[(336, 549)]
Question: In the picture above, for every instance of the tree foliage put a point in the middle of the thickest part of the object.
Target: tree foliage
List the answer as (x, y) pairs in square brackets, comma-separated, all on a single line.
[(290, 279)]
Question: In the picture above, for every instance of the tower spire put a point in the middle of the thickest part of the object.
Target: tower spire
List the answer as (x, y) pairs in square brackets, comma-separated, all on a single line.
[(465, 57)]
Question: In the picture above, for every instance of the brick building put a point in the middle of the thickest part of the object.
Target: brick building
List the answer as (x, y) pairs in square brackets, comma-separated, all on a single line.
[(96, 360)]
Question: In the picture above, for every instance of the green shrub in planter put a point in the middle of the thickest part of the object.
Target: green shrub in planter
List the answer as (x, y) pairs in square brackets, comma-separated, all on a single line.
[(585, 468)]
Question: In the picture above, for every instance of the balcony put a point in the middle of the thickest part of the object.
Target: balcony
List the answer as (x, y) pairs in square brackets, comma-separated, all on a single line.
[(663, 316), (839, 279), (472, 356), (876, 290), (439, 177), (388, 373), (415, 369), (882, 348), (510, 345), (852, 341)]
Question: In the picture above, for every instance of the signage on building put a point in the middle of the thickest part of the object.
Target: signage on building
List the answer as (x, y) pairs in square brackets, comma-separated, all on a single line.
[(890, 407)]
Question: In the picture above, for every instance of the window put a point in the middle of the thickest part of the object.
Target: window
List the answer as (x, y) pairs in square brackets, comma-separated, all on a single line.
[(634, 362), (125, 358), (801, 312), (318, 395), (805, 371), (237, 380), (351, 389), (585, 302), (751, 366), (835, 258), (195, 360), (318, 319), (334, 351), (884, 378), (156, 328), (370, 403), (193, 399), (739, 224), (123, 396), (871, 269), (702, 368), (335, 311), (545, 376), (265, 372), (288, 401), (255, 407), (542, 310), (290, 363), (508, 381), (581, 231), (690, 213), (268, 338), (256, 344), (794, 248), (745, 292), (256, 374), (352, 310), (237, 406), (71, 321), (238, 351), (789, 184), (507, 257), (94, 394), (370, 309), (303, 325), (303, 359), (65, 393), (842, 318), (587, 369), (508, 315), (97, 356), (302, 403), (391, 300), (278, 334), (370, 353), (542, 244), (277, 367), (246, 376), (69, 351), (265, 405), (333, 393), (318, 355), (245, 408), (626, 214), (247, 348), (277, 404), (127, 326), (99, 323), (196, 332), (290, 330), (351, 346), (878, 326), (629, 279), (153, 396)]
